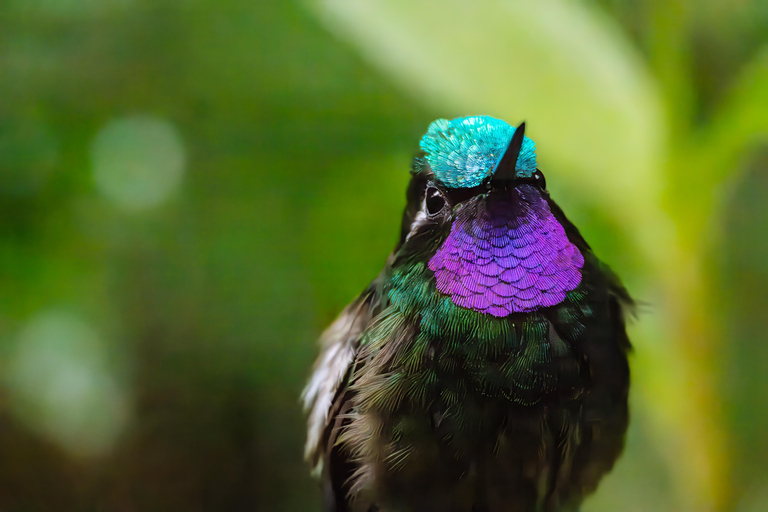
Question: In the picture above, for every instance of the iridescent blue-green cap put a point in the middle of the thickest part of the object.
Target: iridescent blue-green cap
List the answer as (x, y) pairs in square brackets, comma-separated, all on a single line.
[(465, 151)]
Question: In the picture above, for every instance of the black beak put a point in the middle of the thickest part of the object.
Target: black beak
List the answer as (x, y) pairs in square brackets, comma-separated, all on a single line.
[(505, 170)]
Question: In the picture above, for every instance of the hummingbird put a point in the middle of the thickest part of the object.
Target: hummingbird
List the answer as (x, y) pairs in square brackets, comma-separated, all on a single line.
[(485, 368)]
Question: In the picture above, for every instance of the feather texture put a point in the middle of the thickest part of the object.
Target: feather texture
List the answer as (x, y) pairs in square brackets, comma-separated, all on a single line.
[(464, 152)]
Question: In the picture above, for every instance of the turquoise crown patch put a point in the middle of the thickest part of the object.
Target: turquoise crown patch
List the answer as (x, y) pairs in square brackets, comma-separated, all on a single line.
[(463, 152)]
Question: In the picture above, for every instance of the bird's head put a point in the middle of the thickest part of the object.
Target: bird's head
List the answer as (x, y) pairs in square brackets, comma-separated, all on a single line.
[(479, 218)]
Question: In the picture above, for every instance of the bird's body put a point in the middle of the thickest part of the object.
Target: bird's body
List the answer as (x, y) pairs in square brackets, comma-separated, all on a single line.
[(485, 368)]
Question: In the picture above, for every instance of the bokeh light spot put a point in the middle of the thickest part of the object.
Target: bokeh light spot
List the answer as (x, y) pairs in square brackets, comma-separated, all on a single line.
[(137, 162), (61, 384)]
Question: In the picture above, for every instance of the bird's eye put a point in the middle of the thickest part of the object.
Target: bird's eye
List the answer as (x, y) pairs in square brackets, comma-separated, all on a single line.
[(435, 201), (538, 178)]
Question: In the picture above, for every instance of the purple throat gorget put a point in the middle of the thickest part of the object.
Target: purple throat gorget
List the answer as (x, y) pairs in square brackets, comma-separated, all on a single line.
[(512, 257)]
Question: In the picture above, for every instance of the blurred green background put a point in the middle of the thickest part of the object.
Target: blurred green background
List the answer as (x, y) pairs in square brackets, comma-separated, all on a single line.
[(191, 190)]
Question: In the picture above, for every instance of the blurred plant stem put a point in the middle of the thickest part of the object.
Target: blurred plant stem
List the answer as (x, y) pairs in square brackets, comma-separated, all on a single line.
[(701, 160), (679, 381), (669, 55)]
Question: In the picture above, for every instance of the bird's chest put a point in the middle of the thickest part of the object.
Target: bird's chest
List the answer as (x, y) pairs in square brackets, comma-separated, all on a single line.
[(469, 434), (461, 396), (476, 373)]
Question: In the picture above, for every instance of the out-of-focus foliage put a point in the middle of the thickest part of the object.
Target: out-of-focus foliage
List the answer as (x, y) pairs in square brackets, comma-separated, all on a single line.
[(190, 191)]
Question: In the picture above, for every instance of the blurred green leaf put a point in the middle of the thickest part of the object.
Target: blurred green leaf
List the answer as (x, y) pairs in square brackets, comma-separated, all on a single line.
[(563, 66), (739, 122)]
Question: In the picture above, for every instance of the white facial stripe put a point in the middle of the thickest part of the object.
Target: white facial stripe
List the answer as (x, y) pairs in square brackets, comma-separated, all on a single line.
[(419, 220)]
